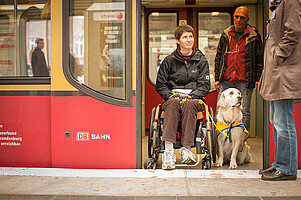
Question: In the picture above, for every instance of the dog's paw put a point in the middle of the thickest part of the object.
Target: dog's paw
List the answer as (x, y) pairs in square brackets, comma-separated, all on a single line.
[(233, 165), (219, 163), (251, 160)]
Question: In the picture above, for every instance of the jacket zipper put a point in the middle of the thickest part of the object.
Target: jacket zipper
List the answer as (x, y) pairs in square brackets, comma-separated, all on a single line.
[(186, 70)]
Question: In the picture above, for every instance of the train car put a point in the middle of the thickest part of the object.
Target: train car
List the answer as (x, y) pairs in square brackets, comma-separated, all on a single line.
[(91, 105)]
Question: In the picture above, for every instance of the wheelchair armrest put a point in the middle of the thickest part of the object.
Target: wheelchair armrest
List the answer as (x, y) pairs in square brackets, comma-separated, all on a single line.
[(200, 115)]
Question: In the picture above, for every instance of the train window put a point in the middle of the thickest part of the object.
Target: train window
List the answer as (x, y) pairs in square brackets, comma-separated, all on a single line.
[(97, 45), (210, 28), (24, 38), (161, 40)]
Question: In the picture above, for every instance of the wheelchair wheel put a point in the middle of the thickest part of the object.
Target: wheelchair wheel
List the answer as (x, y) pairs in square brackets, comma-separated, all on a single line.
[(206, 163), (151, 133), (213, 139), (150, 164), (210, 137)]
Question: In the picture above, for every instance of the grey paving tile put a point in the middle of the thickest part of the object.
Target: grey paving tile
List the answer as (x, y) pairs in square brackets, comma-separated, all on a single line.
[(114, 198), (281, 198), (6, 196), (198, 198), (238, 198), (33, 197), (157, 198), (74, 197)]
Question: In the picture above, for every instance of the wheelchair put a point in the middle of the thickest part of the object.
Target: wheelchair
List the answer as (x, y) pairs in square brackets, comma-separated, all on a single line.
[(204, 140)]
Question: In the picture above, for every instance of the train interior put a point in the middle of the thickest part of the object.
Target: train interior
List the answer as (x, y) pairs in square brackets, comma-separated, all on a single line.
[(209, 19)]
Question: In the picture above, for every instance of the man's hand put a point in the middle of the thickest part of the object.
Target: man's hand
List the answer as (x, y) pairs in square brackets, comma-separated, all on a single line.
[(217, 85), (256, 84), (184, 98)]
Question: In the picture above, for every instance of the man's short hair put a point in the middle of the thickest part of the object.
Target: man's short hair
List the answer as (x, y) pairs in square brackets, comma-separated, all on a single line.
[(180, 29), (38, 40)]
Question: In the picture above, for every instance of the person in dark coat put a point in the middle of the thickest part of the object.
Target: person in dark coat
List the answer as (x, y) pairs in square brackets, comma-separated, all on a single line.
[(280, 85), (185, 71), (239, 60), (38, 62)]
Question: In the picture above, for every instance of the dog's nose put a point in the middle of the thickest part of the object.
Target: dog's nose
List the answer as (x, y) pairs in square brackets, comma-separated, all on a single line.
[(239, 97)]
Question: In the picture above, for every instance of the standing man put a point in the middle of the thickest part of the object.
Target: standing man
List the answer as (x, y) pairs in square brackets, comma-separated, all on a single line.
[(238, 61), (185, 70), (280, 84), (38, 62)]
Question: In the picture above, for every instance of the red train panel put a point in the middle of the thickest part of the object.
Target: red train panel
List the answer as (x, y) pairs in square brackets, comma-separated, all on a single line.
[(67, 132), (25, 131), (101, 135)]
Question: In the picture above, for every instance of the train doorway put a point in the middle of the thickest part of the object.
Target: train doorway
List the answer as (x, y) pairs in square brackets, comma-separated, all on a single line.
[(159, 19)]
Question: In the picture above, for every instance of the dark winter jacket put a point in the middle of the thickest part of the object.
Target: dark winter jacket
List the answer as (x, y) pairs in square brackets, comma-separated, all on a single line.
[(38, 63), (176, 73), (254, 56)]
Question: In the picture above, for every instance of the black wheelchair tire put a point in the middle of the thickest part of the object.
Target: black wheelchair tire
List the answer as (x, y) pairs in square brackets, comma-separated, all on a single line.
[(150, 164), (209, 139), (213, 139), (206, 163), (151, 133)]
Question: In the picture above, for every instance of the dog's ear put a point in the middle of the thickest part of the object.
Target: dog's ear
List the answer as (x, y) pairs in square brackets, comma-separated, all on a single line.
[(222, 101)]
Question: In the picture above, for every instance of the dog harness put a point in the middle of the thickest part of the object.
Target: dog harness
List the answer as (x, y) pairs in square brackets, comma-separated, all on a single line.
[(226, 129)]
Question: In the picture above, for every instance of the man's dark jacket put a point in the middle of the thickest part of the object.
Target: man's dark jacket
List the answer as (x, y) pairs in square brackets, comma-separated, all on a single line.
[(38, 63), (176, 73), (254, 56)]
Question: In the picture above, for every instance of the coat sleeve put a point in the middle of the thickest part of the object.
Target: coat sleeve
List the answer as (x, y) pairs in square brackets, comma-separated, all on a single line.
[(259, 57), (218, 59), (292, 30), (162, 80), (203, 82)]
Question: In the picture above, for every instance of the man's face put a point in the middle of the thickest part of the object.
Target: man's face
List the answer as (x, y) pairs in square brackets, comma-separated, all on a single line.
[(240, 19), (40, 44), (186, 41)]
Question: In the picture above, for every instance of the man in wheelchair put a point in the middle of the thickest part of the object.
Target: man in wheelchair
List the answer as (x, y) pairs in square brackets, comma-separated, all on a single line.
[(185, 71)]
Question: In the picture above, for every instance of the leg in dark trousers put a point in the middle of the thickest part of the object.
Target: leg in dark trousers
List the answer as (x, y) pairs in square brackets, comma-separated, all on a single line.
[(189, 114), (171, 108)]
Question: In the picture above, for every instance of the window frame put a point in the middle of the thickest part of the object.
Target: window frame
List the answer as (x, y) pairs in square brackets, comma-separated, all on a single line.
[(24, 80), (147, 38), (127, 102), (212, 89)]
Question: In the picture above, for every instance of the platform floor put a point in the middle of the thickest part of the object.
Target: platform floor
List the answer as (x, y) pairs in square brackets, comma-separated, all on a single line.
[(67, 184), (140, 184)]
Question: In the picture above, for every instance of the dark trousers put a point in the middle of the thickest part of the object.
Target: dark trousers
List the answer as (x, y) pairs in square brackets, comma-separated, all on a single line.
[(190, 110)]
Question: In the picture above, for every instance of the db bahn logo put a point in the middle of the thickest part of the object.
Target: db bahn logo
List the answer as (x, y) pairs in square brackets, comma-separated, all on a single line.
[(82, 136), (86, 136)]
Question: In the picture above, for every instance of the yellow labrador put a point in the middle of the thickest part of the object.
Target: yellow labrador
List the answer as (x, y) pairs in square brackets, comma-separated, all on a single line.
[(231, 145)]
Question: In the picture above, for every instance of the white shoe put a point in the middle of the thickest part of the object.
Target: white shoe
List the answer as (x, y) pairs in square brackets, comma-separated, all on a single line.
[(187, 156), (168, 159)]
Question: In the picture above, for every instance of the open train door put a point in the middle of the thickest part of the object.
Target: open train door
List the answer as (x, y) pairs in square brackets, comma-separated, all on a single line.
[(208, 20)]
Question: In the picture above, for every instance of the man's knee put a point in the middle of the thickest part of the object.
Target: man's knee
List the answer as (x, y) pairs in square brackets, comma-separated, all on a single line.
[(191, 105), (172, 103)]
